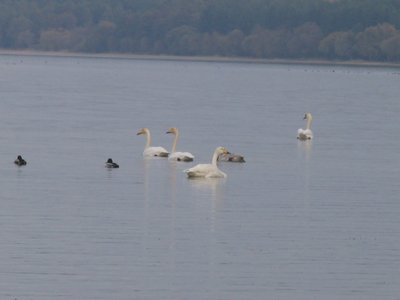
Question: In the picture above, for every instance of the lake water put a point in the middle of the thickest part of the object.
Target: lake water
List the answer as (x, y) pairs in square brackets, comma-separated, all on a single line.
[(298, 220)]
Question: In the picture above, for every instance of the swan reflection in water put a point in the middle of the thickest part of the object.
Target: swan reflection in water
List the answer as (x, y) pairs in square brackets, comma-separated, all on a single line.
[(209, 189), (304, 149), (169, 175)]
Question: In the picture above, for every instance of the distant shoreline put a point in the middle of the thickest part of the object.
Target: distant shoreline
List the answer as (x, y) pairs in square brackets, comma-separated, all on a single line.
[(353, 63)]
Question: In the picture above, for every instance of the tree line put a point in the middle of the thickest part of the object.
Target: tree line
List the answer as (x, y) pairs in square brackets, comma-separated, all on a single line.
[(332, 29)]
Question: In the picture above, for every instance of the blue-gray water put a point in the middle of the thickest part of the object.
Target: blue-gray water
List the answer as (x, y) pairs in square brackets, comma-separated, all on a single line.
[(298, 220)]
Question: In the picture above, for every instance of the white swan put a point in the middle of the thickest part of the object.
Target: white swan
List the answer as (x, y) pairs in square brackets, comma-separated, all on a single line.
[(305, 134), (178, 156), (151, 151), (208, 170)]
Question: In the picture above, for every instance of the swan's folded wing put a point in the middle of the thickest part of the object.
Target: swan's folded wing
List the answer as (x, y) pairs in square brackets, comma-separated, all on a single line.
[(155, 151), (304, 134), (206, 171), (188, 154), (299, 131), (200, 170), (308, 133)]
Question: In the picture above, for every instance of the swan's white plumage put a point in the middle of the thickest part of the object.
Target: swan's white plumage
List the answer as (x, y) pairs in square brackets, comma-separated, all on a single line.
[(176, 155), (208, 170), (155, 152), (306, 134), (150, 151)]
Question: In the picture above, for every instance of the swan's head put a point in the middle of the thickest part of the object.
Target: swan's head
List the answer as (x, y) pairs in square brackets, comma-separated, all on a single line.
[(172, 130), (222, 150), (109, 161), (143, 131), (19, 157), (308, 116)]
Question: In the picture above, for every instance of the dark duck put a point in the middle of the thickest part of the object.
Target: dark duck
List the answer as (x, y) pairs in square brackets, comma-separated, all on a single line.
[(110, 164), (20, 161)]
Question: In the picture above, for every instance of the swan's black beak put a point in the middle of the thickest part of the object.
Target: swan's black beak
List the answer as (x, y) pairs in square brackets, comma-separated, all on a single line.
[(168, 132), (305, 117)]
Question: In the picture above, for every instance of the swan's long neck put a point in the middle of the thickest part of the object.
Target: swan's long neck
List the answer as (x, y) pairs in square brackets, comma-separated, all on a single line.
[(309, 120), (215, 158), (148, 142), (175, 142)]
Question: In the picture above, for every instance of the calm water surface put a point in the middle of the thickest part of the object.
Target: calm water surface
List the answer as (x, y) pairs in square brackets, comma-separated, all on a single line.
[(298, 220)]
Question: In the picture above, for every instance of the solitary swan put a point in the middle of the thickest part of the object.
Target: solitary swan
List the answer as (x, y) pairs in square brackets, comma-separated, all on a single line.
[(20, 161), (231, 157), (178, 156), (152, 151), (208, 170), (305, 134), (110, 164)]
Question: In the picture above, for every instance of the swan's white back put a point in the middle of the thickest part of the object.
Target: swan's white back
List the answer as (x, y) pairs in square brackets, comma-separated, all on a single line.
[(155, 152), (304, 134), (206, 171)]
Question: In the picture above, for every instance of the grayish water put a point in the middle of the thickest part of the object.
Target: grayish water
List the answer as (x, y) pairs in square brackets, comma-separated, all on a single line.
[(298, 220)]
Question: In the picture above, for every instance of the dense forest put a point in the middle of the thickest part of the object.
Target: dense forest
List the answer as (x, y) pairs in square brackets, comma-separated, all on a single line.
[(330, 29)]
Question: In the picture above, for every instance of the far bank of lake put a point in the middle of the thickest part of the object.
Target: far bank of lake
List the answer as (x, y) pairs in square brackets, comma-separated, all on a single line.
[(350, 63)]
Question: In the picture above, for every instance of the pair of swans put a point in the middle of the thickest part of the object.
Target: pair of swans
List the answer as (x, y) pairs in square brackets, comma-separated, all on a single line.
[(305, 134), (151, 151)]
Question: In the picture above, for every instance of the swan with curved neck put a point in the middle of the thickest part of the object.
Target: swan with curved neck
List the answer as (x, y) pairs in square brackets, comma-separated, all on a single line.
[(306, 134), (208, 170), (150, 151), (178, 156)]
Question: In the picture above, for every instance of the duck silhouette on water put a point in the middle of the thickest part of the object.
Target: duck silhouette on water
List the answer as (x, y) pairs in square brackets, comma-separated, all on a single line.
[(111, 165), (20, 161)]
